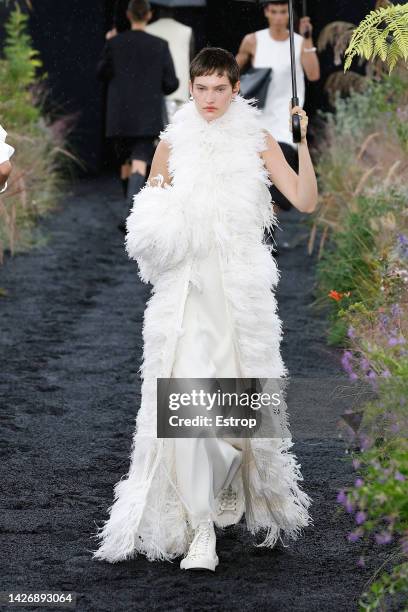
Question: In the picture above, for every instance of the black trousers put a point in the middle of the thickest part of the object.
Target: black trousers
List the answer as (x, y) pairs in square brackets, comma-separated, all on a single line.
[(291, 157), (134, 147)]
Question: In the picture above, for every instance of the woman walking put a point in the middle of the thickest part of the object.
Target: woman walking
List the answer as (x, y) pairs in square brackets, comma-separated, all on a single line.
[(196, 231)]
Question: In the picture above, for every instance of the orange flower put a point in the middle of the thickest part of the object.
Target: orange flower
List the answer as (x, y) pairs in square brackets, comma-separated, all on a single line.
[(335, 295)]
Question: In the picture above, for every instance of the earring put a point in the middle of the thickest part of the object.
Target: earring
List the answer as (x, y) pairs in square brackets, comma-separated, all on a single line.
[(191, 98)]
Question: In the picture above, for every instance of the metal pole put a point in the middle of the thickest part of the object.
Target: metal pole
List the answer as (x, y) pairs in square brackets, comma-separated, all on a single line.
[(296, 131)]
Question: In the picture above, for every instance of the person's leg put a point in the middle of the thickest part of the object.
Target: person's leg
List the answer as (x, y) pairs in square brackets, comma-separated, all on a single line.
[(124, 176), (204, 466), (142, 151), (120, 147)]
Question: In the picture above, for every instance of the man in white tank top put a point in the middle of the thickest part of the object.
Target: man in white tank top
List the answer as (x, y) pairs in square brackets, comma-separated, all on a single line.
[(270, 47)]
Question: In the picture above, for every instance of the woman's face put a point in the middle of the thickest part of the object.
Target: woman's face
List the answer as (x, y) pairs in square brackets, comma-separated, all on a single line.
[(212, 95)]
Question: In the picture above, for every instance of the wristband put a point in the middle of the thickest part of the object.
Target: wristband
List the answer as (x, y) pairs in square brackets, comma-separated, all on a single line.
[(310, 49)]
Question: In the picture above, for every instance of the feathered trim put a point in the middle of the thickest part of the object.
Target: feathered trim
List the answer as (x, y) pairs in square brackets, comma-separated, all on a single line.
[(219, 195), (157, 236)]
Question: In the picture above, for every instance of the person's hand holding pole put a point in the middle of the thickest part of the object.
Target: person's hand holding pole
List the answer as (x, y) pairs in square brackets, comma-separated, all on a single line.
[(305, 27), (303, 120)]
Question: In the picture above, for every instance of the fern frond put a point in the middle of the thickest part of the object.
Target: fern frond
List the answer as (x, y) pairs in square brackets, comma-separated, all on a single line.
[(383, 33)]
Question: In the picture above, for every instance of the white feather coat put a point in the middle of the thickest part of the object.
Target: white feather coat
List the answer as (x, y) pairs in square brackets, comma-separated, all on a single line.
[(219, 193)]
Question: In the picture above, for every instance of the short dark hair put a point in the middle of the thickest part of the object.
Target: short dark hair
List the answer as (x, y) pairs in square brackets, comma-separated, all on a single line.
[(215, 59), (139, 9), (266, 4)]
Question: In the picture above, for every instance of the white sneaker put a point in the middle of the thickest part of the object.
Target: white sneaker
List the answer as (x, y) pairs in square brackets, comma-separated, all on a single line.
[(231, 503), (202, 553)]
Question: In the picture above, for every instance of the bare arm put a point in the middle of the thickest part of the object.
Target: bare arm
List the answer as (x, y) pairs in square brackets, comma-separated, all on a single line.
[(160, 165), (246, 51), (300, 190), (310, 61)]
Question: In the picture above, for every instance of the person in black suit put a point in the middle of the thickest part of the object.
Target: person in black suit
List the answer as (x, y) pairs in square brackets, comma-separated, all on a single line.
[(140, 72)]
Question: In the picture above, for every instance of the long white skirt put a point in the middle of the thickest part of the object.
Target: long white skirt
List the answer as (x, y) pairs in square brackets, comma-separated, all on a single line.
[(204, 466)]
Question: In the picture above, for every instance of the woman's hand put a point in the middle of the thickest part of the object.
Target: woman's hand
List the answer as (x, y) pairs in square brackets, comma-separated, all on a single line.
[(303, 121)]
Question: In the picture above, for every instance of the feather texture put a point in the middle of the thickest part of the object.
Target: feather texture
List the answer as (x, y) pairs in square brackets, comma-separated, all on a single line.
[(219, 195)]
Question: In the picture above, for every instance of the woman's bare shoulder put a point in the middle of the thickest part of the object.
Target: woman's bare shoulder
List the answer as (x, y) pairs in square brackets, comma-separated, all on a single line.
[(270, 142)]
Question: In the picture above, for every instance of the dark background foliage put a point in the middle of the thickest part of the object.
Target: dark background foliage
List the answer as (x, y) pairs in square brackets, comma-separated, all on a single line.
[(70, 36)]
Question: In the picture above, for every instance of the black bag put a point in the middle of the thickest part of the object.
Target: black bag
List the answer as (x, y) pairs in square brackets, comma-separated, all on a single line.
[(255, 83)]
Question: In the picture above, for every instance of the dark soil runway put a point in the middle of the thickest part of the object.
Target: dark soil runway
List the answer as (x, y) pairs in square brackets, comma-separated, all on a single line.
[(70, 328)]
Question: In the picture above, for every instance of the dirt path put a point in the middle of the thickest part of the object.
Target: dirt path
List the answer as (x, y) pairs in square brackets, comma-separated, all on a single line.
[(70, 331)]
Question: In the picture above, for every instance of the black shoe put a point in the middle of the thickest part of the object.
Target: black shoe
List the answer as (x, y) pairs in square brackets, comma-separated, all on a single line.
[(124, 186), (135, 184)]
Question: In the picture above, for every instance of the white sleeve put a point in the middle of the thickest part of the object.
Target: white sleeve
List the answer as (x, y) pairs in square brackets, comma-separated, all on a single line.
[(6, 150)]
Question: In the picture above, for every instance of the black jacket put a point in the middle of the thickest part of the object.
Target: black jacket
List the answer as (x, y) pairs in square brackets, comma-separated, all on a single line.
[(140, 71)]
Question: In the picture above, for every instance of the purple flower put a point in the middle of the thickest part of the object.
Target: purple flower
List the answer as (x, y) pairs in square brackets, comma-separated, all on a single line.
[(383, 538), (404, 545), (360, 517), (351, 332), (354, 536), (349, 506), (386, 373), (402, 239), (396, 310), (399, 476), (341, 497), (358, 482), (361, 562), (345, 361), (394, 341), (365, 442), (364, 363)]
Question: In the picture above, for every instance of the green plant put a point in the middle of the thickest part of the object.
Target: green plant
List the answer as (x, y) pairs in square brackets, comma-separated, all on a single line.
[(18, 72), (388, 585), (383, 33)]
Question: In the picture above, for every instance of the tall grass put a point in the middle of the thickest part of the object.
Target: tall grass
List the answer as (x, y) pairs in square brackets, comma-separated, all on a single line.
[(41, 154)]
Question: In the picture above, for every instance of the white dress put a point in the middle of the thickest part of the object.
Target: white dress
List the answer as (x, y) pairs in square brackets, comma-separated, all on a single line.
[(205, 350)]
